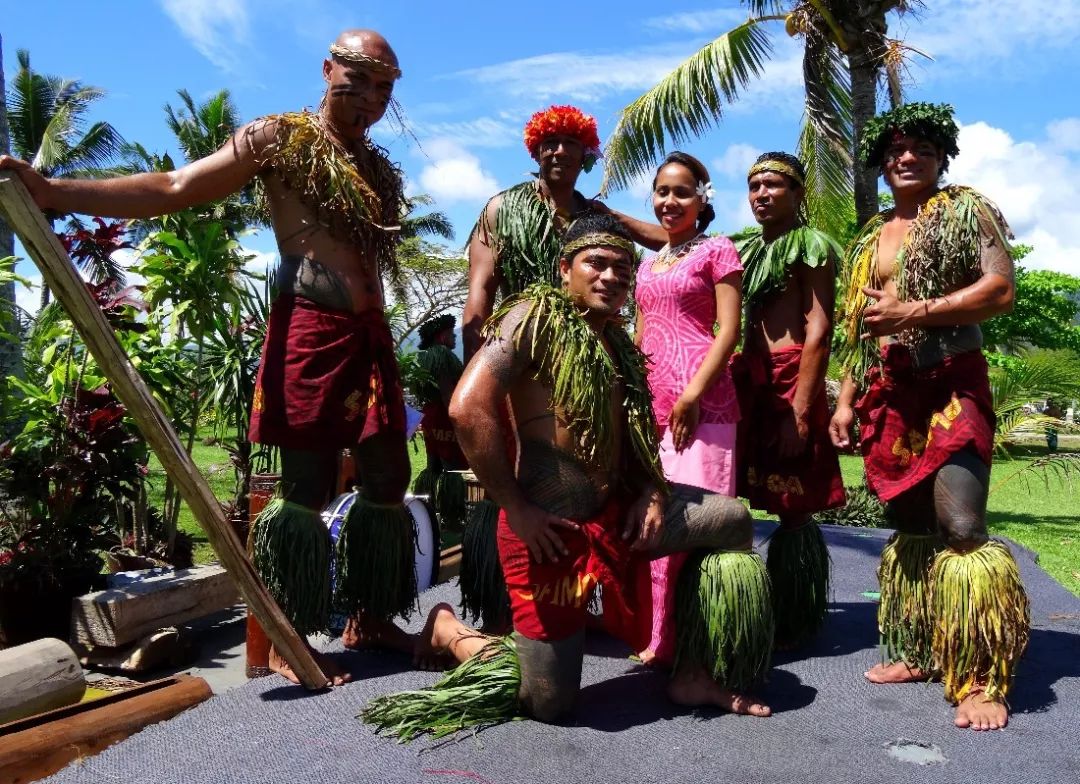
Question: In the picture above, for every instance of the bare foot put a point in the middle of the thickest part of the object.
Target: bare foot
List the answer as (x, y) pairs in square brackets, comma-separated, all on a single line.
[(897, 672), (362, 632), (329, 667), (693, 687), (978, 713), (431, 649)]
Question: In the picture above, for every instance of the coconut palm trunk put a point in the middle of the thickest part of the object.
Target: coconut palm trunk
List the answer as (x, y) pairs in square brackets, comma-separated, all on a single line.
[(10, 353), (863, 70)]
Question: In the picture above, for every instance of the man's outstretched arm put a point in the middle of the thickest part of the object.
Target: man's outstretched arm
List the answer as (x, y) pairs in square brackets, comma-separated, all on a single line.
[(152, 193)]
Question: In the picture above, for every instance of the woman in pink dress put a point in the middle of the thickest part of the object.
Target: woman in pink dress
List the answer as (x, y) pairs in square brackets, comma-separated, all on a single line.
[(689, 297)]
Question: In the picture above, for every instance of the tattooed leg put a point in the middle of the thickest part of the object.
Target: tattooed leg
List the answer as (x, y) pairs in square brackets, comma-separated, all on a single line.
[(556, 481), (960, 490), (695, 518), (307, 478), (550, 675)]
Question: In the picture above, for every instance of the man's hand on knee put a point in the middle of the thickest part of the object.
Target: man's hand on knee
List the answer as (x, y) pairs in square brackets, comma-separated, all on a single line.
[(645, 520)]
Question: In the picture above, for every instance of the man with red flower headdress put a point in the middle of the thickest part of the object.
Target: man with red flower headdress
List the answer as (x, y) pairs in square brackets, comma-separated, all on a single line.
[(516, 240), (516, 243)]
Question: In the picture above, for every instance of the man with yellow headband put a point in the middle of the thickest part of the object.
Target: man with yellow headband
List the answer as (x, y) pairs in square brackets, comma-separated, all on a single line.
[(328, 378), (785, 461)]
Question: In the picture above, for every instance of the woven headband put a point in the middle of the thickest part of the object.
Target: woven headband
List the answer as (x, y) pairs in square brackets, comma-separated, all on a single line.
[(595, 240), (778, 167), (353, 56)]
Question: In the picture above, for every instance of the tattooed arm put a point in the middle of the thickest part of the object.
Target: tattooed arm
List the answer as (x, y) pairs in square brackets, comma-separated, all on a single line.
[(991, 295), (476, 411)]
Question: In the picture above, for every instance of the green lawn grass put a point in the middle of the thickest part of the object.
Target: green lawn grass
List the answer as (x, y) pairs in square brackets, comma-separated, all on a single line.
[(1044, 518)]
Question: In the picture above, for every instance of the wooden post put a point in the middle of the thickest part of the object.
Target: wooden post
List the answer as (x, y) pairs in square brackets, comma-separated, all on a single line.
[(60, 275)]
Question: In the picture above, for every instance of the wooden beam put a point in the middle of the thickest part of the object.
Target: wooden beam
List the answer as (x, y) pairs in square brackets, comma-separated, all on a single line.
[(38, 746), (117, 616), (60, 275)]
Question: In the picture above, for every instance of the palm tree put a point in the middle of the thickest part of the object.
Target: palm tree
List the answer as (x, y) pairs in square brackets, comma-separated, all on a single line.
[(431, 224), (845, 54), (47, 115), (10, 359)]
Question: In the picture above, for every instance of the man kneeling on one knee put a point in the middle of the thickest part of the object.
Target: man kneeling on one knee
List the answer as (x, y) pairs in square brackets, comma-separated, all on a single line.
[(587, 506)]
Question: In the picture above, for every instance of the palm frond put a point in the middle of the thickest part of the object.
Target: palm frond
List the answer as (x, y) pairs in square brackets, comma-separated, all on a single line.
[(686, 103), (825, 142), (434, 224), (1063, 466), (96, 149)]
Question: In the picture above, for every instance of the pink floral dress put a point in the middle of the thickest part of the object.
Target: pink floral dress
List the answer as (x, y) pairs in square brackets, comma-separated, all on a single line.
[(678, 309)]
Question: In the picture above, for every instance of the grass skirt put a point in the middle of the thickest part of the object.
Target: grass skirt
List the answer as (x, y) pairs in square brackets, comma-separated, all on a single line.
[(724, 617), (375, 571), (798, 564), (481, 692), (483, 589), (290, 549), (982, 620), (905, 615)]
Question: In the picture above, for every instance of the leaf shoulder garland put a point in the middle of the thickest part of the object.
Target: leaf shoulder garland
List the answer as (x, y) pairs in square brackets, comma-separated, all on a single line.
[(940, 254), (526, 236), (571, 359), (439, 363), (358, 198), (767, 266)]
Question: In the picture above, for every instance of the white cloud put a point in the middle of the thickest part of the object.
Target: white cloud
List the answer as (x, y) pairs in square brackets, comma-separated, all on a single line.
[(454, 174), (735, 161), (218, 29), (1036, 185), (719, 20), (1014, 37), (579, 76), (480, 132), (260, 262), (1065, 134)]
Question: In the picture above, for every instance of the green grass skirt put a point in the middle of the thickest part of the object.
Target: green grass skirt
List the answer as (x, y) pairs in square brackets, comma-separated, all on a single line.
[(449, 500), (483, 590), (290, 549), (798, 564), (481, 692), (981, 620), (724, 617), (425, 482), (375, 569), (905, 619)]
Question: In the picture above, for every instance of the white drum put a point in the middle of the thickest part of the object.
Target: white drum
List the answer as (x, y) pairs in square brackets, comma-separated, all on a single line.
[(426, 555)]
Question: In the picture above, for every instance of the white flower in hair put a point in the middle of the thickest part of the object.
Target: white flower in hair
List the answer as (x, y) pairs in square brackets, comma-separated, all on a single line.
[(705, 191)]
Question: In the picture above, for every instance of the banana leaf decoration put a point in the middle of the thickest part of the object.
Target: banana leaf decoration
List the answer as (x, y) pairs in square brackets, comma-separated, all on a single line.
[(767, 266)]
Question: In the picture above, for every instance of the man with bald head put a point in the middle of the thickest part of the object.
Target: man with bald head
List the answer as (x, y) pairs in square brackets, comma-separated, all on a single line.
[(328, 378)]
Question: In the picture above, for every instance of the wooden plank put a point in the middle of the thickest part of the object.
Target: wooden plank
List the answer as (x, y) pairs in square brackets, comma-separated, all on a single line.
[(118, 616), (38, 676), (40, 746), (60, 275)]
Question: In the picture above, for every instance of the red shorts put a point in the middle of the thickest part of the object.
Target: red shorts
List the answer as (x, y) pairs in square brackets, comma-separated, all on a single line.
[(808, 483), (549, 601), (327, 379)]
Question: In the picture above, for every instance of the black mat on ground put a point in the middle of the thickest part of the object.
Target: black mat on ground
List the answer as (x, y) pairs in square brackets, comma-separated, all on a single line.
[(830, 725)]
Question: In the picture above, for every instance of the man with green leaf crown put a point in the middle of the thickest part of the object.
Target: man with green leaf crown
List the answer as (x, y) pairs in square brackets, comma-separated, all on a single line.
[(586, 505), (328, 377), (441, 479), (515, 244), (786, 463), (919, 279)]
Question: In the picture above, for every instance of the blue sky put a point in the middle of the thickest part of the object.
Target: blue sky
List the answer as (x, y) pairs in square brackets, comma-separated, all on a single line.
[(474, 72)]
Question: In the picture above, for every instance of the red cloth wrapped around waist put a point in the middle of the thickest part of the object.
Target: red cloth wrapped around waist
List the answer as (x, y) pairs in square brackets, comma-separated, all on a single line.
[(809, 482), (549, 601), (913, 420), (327, 378)]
